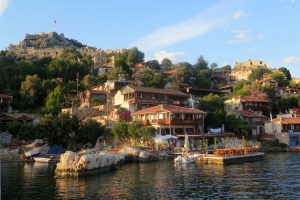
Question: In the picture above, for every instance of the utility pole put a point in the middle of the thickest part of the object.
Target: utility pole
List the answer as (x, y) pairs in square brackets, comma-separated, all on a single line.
[(77, 79)]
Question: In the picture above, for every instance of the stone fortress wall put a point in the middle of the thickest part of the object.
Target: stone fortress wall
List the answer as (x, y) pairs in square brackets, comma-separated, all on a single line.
[(53, 45), (243, 69)]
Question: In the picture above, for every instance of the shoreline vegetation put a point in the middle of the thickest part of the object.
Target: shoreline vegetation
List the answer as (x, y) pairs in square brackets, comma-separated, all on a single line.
[(47, 84)]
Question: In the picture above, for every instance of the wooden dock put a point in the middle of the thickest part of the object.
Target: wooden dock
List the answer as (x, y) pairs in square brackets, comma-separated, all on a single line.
[(223, 160)]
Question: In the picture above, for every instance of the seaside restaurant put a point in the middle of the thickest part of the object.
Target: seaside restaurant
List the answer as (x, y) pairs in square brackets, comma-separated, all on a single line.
[(171, 119)]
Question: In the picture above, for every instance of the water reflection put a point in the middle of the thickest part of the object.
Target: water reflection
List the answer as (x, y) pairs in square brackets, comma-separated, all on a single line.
[(276, 177)]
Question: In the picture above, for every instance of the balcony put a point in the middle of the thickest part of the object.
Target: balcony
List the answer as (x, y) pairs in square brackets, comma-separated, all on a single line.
[(172, 122), (146, 101), (260, 108)]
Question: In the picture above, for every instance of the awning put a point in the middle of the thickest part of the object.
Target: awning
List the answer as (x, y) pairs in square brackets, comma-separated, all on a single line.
[(293, 134)]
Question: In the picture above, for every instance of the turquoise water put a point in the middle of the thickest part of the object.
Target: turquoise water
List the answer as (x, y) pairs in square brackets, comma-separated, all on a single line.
[(277, 177)]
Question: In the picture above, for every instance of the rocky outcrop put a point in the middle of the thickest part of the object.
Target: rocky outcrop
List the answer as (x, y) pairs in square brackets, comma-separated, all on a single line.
[(136, 154), (48, 40), (73, 164)]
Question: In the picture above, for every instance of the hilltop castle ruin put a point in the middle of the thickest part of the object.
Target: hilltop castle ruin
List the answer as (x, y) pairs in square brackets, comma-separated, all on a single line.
[(53, 45)]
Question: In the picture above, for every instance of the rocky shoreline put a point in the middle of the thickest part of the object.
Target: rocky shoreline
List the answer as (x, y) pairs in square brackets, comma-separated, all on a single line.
[(85, 163)]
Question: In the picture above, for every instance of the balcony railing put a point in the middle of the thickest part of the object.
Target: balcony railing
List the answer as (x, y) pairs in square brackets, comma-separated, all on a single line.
[(172, 122), (257, 107), (152, 101)]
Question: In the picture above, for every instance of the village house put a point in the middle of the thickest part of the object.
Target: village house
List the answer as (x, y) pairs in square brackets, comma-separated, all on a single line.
[(285, 92), (5, 103), (257, 102), (252, 118), (285, 128), (135, 98), (6, 118), (295, 112), (94, 96), (268, 81), (171, 119), (200, 92)]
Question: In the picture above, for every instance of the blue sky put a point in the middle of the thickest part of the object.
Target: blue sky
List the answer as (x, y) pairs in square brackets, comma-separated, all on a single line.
[(222, 31)]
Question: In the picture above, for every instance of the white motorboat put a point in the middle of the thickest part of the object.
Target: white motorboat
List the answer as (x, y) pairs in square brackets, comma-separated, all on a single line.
[(185, 159), (42, 159)]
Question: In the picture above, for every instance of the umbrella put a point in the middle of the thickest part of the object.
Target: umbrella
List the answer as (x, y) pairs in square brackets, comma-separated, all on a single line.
[(186, 142)]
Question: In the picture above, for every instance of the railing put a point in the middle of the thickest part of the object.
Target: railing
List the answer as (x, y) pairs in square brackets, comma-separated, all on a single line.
[(167, 121), (152, 101), (252, 107)]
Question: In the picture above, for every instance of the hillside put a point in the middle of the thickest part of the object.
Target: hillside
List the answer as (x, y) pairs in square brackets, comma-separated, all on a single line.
[(46, 40)]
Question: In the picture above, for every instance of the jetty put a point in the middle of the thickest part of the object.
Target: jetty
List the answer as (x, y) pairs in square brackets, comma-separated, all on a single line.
[(231, 159)]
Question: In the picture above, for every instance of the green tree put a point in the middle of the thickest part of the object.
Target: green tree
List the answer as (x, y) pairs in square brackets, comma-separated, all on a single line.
[(88, 81), (89, 131), (214, 106), (166, 62), (32, 88), (211, 103), (134, 56), (67, 68), (213, 66), (22, 130), (147, 133), (50, 84), (280, 78), (234, 124), (121, 68), (59, 130), (182, 75), (258, 73), (54, 101), (134, 130), (201, 63), (227, 68), (286, 73), (120, 131), (151, 79), (200, 78), (153, 64)]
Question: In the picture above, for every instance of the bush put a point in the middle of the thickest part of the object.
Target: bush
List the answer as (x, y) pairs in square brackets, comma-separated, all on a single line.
[(23, 130)]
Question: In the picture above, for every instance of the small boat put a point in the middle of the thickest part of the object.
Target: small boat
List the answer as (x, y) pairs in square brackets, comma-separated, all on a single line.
[(185, 159), (42, 159), (33, 152)]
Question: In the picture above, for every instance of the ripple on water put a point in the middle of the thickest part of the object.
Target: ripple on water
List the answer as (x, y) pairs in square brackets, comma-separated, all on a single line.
[(277, 177)]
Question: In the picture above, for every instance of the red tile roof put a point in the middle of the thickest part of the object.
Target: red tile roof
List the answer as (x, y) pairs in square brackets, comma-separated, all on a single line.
[(4, 96), (287, 120), (169, 71), (169, 108), (158, 91), (18, 116)]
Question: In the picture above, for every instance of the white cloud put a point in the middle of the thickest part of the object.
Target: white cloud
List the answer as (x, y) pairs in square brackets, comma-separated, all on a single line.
[(3, 6), (251, 50), (291, 1), (208, 20), (239, 15), (261, 36), (290, 60), (165, 54), (240, 36)]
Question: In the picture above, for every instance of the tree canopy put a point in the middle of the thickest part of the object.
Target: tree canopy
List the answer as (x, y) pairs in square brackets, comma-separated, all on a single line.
[(201, 63), (134, 56), (166, 62)]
